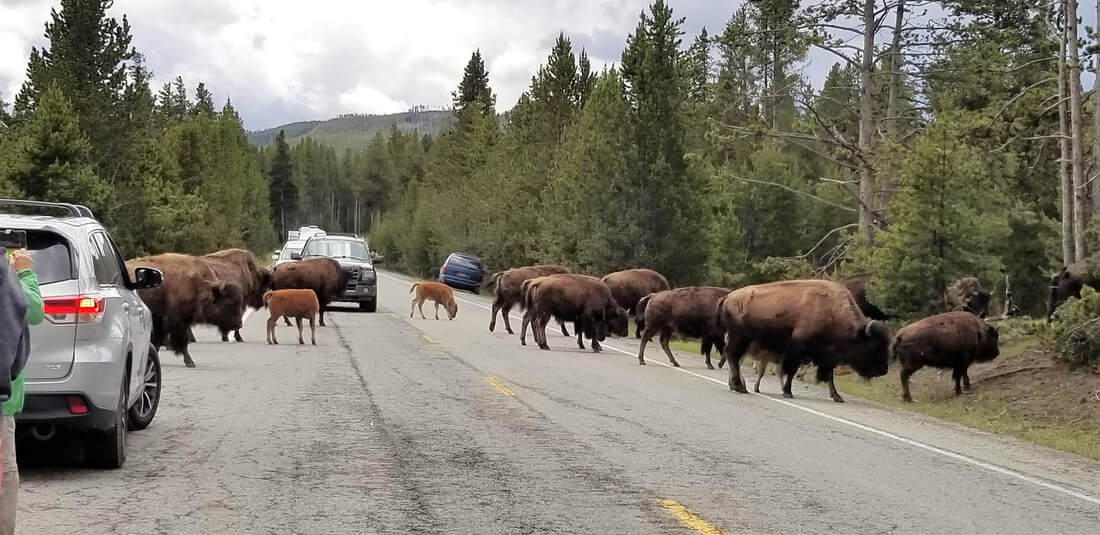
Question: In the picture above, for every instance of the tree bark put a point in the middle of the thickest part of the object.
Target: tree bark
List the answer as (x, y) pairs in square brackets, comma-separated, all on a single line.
[(892, 102), (1068, 250), (1096, 127), (866, 124), (1077, 134)]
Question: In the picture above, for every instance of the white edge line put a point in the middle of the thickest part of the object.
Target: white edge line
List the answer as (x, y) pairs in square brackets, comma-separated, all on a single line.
[(927, 447)]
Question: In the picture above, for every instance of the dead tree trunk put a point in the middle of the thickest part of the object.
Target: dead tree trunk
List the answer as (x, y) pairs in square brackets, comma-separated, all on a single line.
[(893, 106), (1096, 127), (1068, 250), (1077, 134), (866, 124)]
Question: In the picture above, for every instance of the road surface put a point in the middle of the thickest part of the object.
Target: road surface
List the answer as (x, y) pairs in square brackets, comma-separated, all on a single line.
[(399, 425)]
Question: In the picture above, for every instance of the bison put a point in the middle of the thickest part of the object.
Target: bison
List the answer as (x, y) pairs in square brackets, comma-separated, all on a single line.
[(686, 311), (811, 321), (322, 275), (299, 304), (239, 266), (631, 286), (857, 284), (953, 340), (508, 291), (191, 294), (967, 294), (584, 300), (1069, 281)]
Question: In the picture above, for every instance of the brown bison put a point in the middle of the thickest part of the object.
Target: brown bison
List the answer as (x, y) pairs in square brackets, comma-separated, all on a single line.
[(239, 266), (322, 275), (857, 284), (953, 340), (299, 304), (508, 291), (686, 311), (631, 285), (191, 294), (584, 300), (967, 294), (812, 321), (1069, 281)]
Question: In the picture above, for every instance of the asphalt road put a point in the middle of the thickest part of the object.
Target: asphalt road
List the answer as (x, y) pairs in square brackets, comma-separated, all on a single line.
[(399, 425)]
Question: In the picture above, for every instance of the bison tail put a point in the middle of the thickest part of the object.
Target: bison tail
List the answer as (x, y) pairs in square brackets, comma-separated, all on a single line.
[(413, 287), (639, 309), (493, 279), (267, 297)]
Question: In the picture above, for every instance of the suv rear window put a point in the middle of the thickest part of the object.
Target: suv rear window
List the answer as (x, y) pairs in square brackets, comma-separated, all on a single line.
[(465, 260), (53, 260)]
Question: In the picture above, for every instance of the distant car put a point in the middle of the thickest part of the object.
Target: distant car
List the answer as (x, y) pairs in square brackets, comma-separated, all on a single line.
[(357, 262), (287, 253), (463, 271), (92, 371)]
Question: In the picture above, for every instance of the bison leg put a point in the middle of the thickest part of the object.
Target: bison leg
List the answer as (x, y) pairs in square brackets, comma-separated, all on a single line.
[(420, 307), (666, 335), (761, 369), (505, 311), (493, 319), (735, 351), (287, 320), (321, 312), (564, 331), (224, 333), (237, 335), (298, 320), (705, 345), (790, 364), (312, 330), (437, 310), (646, 337), (271, 322), (828, 372), (906, 373), (966, 381), (639, 326), (178, 339), (539, 327), (191, 336), (957, 374), (523, 327)]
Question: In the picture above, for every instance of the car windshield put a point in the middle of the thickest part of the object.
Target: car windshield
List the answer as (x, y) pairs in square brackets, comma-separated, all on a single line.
[(336, 249)]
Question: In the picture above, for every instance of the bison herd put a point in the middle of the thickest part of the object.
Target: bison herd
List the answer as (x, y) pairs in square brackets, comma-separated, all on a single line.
[(788, 324), (216, 289)]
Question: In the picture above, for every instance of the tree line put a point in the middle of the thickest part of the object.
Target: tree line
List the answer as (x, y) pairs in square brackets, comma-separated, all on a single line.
[(165, 171)]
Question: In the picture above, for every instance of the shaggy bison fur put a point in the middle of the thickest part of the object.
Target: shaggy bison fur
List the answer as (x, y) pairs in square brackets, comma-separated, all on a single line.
[(508, 291), (686, 311), (584, 300), (953, 340), (631, 285)]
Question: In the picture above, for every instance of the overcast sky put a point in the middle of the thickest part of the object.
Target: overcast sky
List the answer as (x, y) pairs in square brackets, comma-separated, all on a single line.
[(291, 60)]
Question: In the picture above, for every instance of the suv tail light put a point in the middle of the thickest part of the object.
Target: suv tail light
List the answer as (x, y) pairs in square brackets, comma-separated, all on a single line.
[(78, 309)]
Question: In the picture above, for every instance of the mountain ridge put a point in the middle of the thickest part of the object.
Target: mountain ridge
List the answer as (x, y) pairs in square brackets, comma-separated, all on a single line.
[(352, 131)]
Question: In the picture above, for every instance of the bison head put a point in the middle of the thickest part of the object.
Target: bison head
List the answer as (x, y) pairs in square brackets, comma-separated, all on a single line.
[(227, 305), (618, 323), (871, 355), (452, 309), (990, 346)]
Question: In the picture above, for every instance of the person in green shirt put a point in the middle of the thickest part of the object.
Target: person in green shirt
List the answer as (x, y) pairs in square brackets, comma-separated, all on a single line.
[(20, 306)]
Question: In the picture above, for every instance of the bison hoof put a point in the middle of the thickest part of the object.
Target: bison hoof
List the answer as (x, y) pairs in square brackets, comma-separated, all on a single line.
[(907, 399), (189, 363), (544, 347), (641, 362), (314, 342), (710, 366), (838, 399), (788, 395), (675, 364), (510, 331)]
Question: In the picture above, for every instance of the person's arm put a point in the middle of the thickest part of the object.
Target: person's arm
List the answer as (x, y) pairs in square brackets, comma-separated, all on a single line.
[(21, 261)]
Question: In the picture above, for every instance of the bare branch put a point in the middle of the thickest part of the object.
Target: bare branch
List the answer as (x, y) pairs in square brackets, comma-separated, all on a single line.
[(797, 192)]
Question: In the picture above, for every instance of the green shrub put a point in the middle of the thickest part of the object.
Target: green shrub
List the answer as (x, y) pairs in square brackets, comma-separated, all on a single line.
[(1077, 333)]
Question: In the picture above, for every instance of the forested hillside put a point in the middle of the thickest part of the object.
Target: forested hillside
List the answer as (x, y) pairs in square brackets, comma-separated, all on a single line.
[(354, 131), (165, 172)]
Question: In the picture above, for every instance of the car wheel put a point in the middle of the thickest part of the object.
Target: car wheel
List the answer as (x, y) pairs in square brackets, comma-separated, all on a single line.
[(145, 408), (369, 306), (107, 449)]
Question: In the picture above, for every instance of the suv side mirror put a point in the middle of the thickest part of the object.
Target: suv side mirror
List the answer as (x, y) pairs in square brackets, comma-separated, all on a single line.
[(275, 255), (295, 256), (146, 278)]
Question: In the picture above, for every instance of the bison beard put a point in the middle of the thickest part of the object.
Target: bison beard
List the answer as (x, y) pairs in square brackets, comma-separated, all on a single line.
[(808, 321)]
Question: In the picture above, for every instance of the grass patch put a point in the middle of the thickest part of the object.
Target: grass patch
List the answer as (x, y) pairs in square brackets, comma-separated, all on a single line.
[(1024, 394), (690, 346)]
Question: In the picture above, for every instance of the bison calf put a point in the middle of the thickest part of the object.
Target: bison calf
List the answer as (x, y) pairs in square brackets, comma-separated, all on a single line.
[(438, 292), (953, 340), (299, 304), (685, 311)]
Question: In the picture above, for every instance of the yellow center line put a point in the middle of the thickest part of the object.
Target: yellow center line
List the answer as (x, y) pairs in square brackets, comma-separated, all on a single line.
[(497, 384), (689, 518), (430, 339)]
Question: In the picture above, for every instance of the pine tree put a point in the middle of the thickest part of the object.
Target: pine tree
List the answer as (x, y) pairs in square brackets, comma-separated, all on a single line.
[(204, 102), (699, 67), (586, 79), (52, 160), (474, 89), (937, 233), (284, 194)]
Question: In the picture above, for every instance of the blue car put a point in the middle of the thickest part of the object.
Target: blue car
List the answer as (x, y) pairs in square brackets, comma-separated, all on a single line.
[(462, 271)]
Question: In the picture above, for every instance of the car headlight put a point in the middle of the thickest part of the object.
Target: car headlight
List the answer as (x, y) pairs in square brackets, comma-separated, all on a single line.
[(367, 275)]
